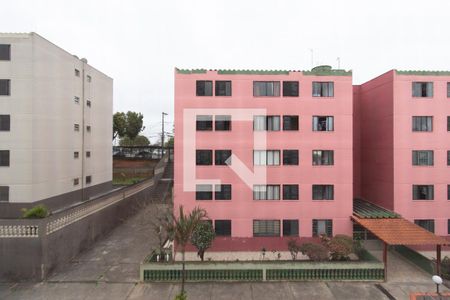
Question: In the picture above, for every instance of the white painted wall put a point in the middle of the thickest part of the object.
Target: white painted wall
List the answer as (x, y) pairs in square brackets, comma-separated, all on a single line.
[(42, 139)]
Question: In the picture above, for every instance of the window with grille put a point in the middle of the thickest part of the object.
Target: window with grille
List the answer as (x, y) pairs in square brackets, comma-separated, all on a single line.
[(76, 154), (266, 192), (77, 72), (5, 122), (323, 157), (323, 89), (290, 191), (88, 154), (5, 87), (266, 88), (290, 122), (290, 157), (76, 127), (266, 228), (204, 123), (266, 157), (269, 123), (203, 157), (422, 158), (223, 123), (203, 192), (222, 157), (323, 123), (222, 192), (422, 89), (423, 192), (290, 227), (222, 227), (290, 89), (422, 123), (320, 227), (88, 103), (4, 193), (88, 179), (88, 128), (4, 158), (76, 99), (76, 181), (204, 88), (223, 88), (426, 224), (5, 52), (323, 192)]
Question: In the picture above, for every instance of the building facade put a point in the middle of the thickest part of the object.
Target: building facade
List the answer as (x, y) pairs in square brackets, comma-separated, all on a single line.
[(266, 153), (404, 138), (55, 125)]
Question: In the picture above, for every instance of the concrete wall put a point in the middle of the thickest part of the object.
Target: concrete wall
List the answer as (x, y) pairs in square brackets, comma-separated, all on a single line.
[(42, 140), (242, 209)]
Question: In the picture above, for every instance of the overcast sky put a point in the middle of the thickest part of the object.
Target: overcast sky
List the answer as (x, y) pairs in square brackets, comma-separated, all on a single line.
[(139, 43)]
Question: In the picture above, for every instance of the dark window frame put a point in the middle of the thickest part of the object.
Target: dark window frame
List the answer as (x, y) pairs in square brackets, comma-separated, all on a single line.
[(321, 91), (427, 224), (225, 90), (319, 126), (420, 123), (5, 122), (328, 227), (222, 123), (290, 157), (420, 194), (291, 89), (275, 92), (420, 89), (322, 192), (5, 158), (291, 192), (203, 157), (418, 157), (291, 123), (5, 87), (222, 227), (204, 123), (204, 91), (290, 227), (268, 228), (221, 156), (323, 157), (5, 52), (225, 193), (4, 193), (89, 179), (203, 192)]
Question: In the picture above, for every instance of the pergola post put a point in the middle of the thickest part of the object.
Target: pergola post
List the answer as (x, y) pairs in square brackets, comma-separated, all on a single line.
[(385, 260), (438, 260)]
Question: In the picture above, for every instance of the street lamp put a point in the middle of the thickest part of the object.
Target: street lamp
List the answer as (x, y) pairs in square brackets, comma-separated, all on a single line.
[(438, 281)]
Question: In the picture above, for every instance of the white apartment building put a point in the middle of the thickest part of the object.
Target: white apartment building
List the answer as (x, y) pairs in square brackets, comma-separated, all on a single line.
[(55, 126)]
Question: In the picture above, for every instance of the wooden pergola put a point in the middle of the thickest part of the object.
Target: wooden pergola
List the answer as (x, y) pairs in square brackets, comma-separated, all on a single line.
[(392, 229)]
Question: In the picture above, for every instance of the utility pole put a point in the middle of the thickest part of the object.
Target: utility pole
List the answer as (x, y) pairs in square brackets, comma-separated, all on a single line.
[(162, 134)]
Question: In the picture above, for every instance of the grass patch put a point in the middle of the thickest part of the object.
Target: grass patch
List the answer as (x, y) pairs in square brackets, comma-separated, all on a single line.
[(128, 181)]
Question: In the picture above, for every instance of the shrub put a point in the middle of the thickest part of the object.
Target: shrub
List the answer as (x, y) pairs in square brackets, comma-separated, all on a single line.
[(315, 252), (202, 237), (37, 212), (445, 267), (340, 247), (181, 296), (293, 248)]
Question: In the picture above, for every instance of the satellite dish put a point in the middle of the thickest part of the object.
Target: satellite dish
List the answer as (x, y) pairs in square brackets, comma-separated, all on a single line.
[(437, 279)]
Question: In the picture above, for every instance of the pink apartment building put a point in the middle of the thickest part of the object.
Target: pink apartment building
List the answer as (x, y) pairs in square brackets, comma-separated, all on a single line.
[(403, 130), (266, 153)]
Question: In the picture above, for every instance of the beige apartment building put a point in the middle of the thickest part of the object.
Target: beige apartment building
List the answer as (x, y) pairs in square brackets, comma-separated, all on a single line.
[(55, 126)]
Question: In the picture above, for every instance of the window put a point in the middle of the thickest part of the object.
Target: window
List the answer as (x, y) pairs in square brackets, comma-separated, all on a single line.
[(448, 123), (323, 157), (448, 158), (76, 127), (204, 123), (5, 122), (88, 78), (76, 99), (203, 157), (204, 88), (5, 89), (88, 103), (223, 123), (5, 52), (4, 158), (88, 179), (76, 181), (448, 192), (269, 123), (77, 72), (266, 88), (423, 192), (426, 224), (290, 191), (266, 192), (266, 228), (422, 123), (323, 192), (448, 226), (223, 88), (222, 192), (290, 227), (88, 128), (266, 157), (320, 227), (290, 88), (203, 192), (76, 154), (222, 157), (290, 157), (323, 89), (88, 154), (323, 123), (290, 122), (448, 89), (222, 227), (422, 89), (422, 158), (4, 193)]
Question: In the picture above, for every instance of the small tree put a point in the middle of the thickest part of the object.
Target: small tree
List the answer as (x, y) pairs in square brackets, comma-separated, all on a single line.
[(315, 252), (340, 246), (293, 248), (202, 238), (37, 212)]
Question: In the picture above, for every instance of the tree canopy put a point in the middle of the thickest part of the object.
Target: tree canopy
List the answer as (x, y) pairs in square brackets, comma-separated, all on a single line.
[(140, 140), (128, 124)]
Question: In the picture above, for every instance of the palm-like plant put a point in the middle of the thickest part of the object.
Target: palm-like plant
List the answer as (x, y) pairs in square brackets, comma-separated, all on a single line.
[(181, 231)]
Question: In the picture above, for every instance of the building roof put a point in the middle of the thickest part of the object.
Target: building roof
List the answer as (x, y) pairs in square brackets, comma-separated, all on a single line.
[(422, 73), (316, 71), (367, 210), (398, 231)]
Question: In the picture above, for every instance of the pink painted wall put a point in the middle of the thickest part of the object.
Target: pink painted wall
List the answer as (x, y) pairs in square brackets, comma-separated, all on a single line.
[(242, 209), (376, 127), (356, 142)]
